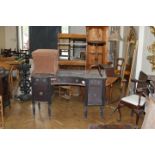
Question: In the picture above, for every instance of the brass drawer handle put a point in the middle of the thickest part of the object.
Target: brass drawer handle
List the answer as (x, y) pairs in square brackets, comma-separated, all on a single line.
[(41, 93)]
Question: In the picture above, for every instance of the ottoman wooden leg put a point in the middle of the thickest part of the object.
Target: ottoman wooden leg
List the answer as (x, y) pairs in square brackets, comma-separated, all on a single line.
[(2, 113)]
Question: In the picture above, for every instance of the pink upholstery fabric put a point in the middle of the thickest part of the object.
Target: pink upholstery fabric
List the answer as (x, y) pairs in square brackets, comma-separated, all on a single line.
[(45, 61)]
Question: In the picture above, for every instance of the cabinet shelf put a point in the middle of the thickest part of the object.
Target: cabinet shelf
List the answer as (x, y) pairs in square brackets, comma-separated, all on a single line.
[(71, 46), (72, 36)]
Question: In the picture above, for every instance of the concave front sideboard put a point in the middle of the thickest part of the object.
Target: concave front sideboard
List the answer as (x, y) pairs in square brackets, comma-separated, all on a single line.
[(94, 83)]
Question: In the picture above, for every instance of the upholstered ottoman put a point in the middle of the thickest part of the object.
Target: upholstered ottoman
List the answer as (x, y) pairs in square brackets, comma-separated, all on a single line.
[(45, 61)]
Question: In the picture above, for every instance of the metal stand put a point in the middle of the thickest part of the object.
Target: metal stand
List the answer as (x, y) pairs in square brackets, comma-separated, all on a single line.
[(25, 83), (96, 53)]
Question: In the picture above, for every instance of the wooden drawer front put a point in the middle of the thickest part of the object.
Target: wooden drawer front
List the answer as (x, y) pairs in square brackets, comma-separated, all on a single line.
[(70, 80)]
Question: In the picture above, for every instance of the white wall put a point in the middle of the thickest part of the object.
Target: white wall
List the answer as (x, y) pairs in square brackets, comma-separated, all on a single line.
[(2, 37), (77, 29), (145, 39), (121, 43), (10, 37), (136, 29), (138, 66)]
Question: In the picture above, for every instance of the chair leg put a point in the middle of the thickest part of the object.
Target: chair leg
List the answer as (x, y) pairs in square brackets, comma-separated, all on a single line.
[(138, 114), (59, 90), (49, 109), (39, 106), (137, 118), (2, 118), (85, 112), (120, 105), (116, 109), (101, 111), (120, 114), (33, 106), (2, 112), (110, 94)]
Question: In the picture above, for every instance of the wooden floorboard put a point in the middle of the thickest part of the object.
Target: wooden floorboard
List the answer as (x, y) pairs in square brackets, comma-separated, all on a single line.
[(65, 115)]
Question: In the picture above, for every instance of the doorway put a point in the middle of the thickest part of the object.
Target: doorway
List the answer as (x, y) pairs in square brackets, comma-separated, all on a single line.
[(23, 37), (43, 37)]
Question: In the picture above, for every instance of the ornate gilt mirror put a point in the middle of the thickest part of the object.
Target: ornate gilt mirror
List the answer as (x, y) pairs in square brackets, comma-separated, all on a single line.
[(130, 49), (151, 50)]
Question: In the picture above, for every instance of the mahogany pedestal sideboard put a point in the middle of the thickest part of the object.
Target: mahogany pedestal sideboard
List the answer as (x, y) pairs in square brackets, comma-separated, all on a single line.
[(42, 87)]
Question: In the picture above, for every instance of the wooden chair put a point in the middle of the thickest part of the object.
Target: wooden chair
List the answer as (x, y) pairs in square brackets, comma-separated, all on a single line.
[(119, 67), (136, 101), (111, 79), (1, 113), (110, 71)]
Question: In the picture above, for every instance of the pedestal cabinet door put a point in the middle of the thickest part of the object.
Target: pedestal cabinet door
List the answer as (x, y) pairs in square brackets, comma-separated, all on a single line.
[(41, 89), (95, 93)]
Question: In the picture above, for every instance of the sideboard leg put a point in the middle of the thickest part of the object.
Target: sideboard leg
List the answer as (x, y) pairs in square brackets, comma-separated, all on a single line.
[(33, 104), (39, 106), (85, 111), (101, 111), (49, 109)]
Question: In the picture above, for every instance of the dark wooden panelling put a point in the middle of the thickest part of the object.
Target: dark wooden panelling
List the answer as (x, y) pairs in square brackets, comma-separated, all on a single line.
[(43, 37)]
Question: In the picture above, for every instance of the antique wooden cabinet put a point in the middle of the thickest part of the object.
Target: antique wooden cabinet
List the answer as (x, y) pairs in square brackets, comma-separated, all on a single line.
[(4, 87), (70, 46), (94, 84), (97, 42)]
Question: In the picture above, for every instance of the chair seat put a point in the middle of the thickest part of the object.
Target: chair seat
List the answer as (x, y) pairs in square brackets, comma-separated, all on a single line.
[(133, 99)]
